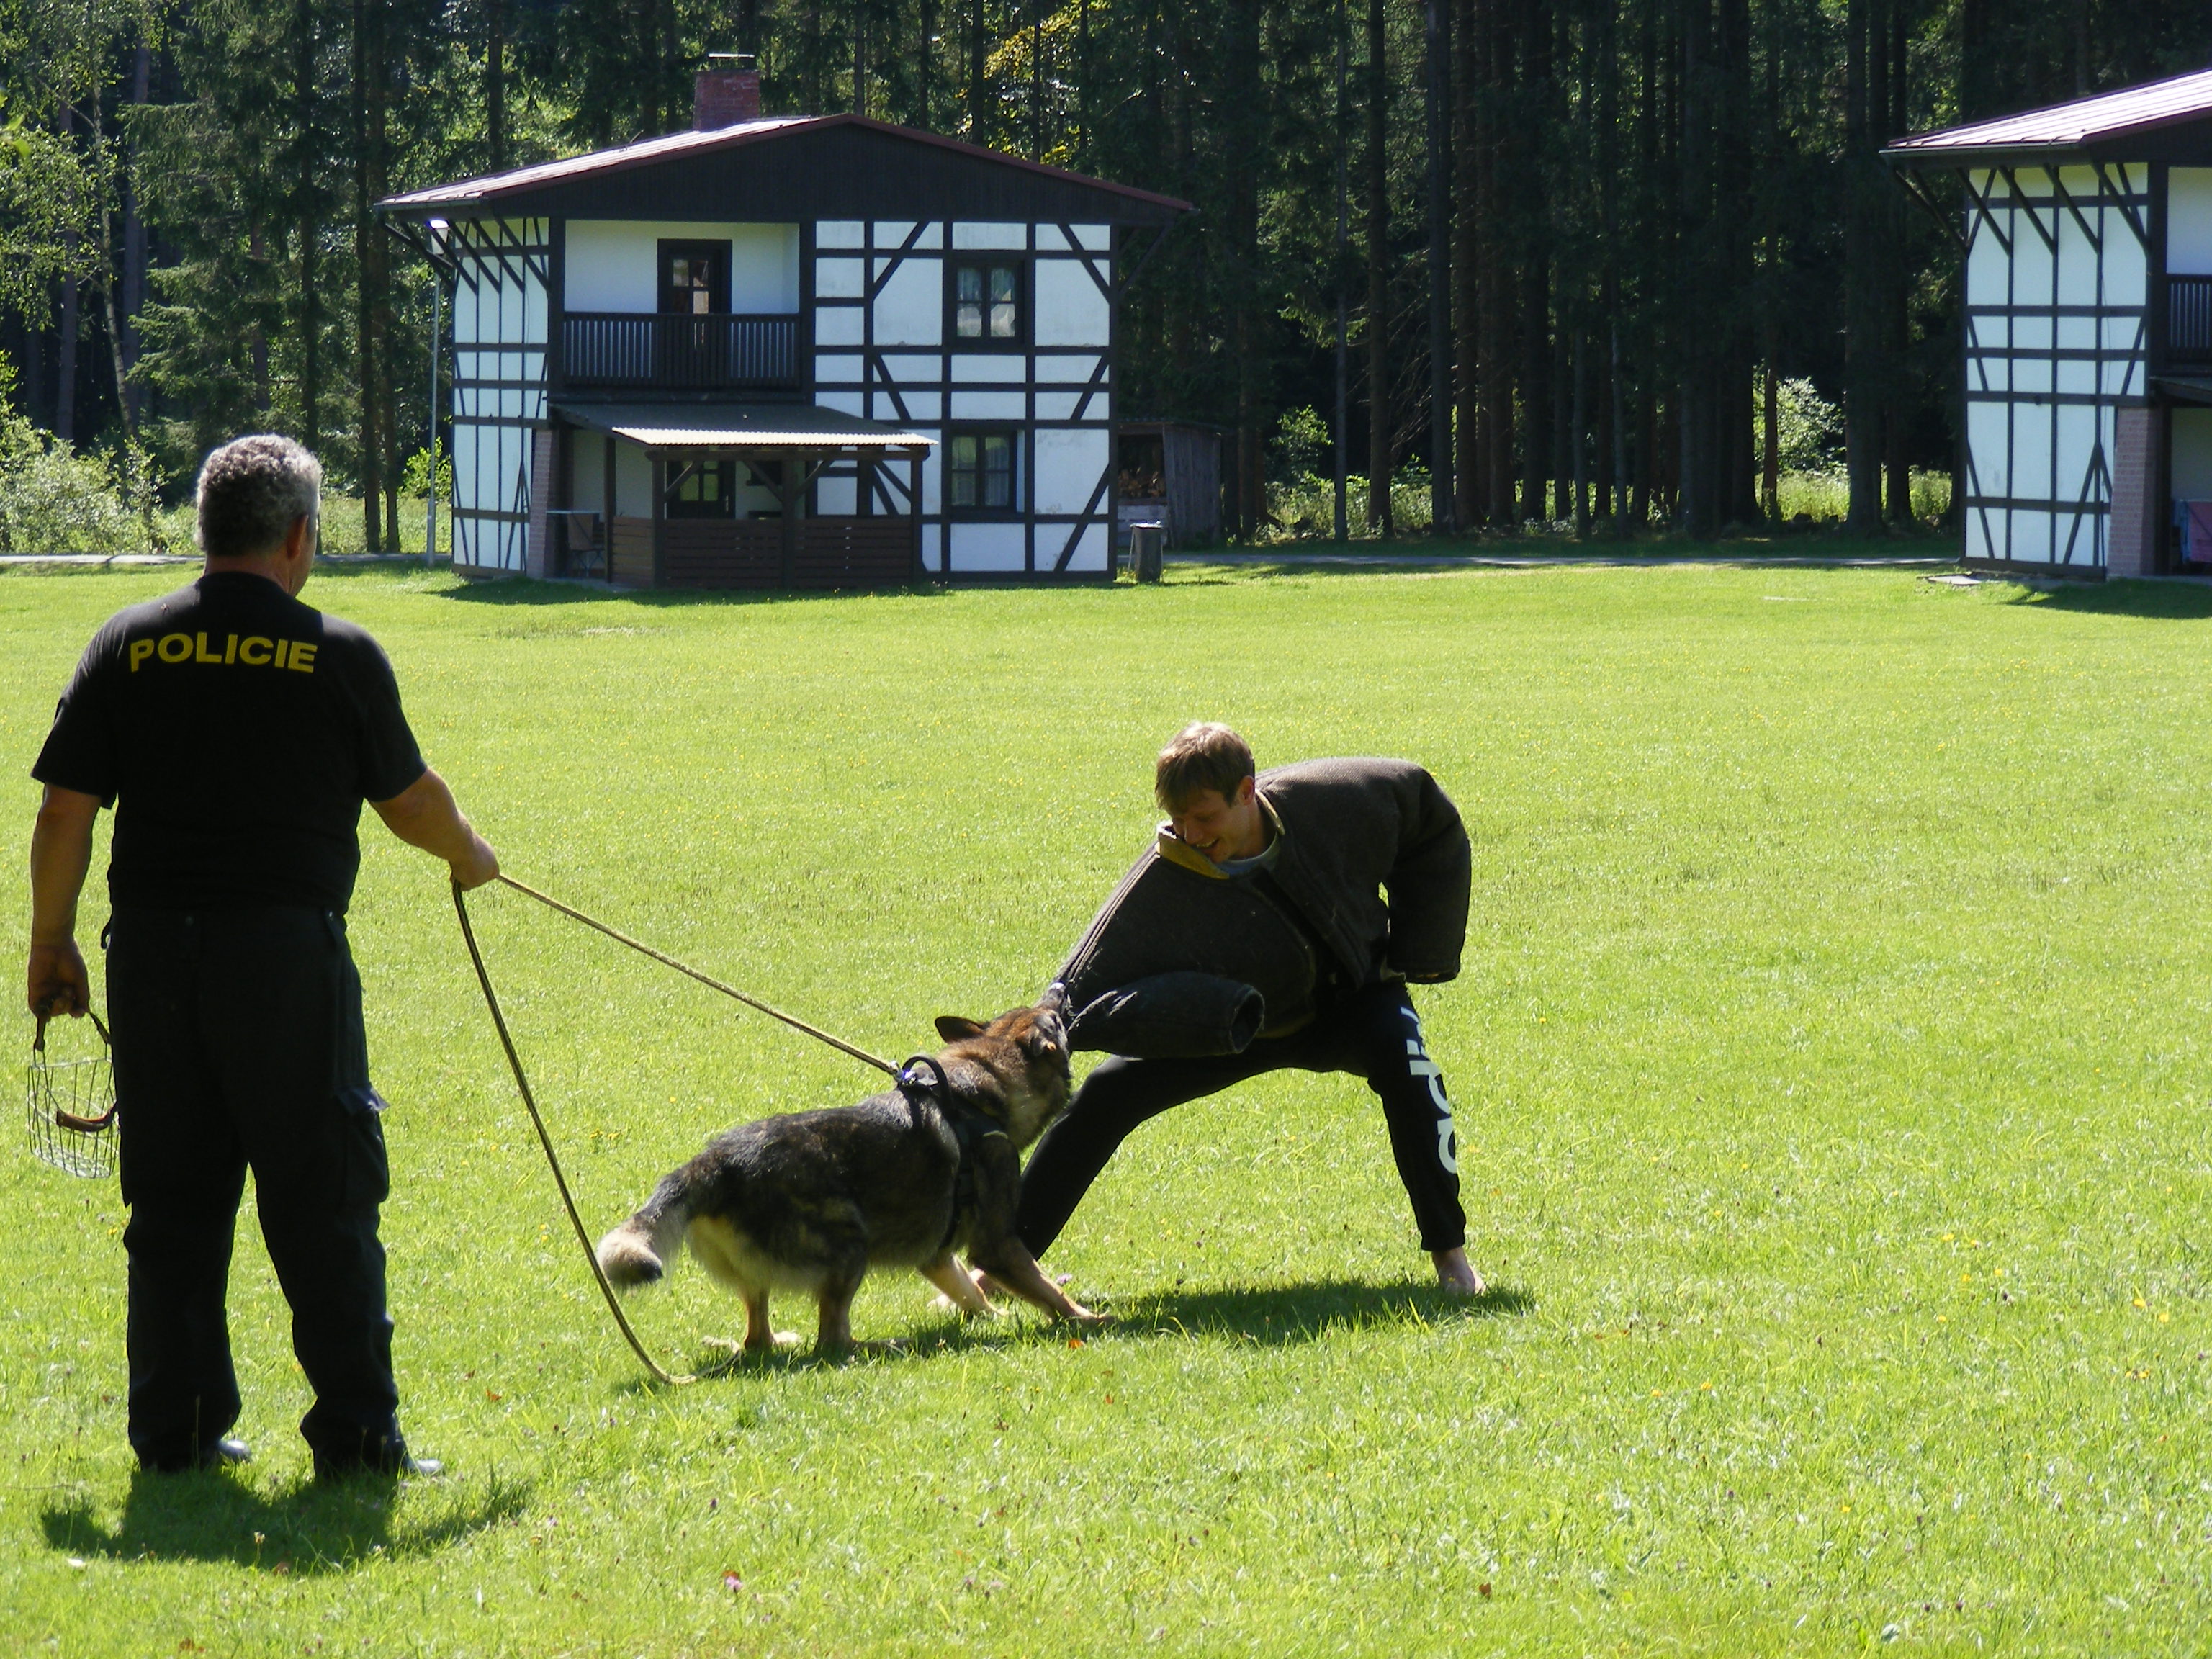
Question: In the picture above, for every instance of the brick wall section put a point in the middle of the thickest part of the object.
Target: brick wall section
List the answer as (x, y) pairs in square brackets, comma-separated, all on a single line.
[(2138, 508), (537, 551)]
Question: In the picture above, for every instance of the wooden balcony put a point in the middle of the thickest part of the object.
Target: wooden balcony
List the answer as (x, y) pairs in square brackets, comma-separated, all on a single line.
[(629, 351), (2189, 321)]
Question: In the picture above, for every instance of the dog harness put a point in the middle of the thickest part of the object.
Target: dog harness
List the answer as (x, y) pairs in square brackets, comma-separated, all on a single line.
[(970, 1128)]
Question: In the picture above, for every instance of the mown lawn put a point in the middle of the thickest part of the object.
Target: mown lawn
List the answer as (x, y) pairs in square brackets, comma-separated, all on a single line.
[(1832, 1066)]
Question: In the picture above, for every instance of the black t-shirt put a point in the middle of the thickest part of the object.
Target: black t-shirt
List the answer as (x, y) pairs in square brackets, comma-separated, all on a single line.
[(236, 732)]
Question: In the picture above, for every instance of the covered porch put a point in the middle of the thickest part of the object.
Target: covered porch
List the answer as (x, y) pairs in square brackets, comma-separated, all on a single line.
[(729, 496)]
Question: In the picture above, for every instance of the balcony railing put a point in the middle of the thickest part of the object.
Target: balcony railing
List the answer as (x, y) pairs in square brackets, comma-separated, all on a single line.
[(680, 352), (2189, 319)]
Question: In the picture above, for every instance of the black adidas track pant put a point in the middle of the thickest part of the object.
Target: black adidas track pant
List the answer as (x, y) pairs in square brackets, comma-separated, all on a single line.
[(1372, 1033)]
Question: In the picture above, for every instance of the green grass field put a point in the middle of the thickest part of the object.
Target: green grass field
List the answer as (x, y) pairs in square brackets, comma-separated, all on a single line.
[(1832, 1061)]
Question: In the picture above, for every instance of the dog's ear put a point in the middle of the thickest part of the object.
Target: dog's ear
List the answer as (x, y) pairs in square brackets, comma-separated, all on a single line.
[(953, 1027)]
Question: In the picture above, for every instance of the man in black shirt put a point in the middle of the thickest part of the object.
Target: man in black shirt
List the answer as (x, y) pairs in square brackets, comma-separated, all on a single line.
[(237, 732)]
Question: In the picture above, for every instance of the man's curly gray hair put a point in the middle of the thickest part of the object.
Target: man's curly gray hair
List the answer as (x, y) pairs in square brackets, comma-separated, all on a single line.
[(250, 490)]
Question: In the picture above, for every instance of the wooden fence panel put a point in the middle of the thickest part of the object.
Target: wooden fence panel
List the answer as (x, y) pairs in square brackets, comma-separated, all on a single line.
[(630, 543), (855, 553), (725, 553)]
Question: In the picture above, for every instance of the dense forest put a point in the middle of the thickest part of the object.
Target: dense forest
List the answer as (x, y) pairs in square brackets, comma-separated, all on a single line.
[(1561, 261)]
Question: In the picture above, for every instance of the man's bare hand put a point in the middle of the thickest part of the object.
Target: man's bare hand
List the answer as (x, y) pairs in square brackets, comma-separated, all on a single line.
[(476, 867), (57, 982)]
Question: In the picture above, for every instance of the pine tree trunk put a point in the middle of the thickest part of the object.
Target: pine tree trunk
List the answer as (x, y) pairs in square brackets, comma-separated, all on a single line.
[(134, 237), (925, 79), (308, 225), (496, 84), (1469, 502), (1437, 76), (1500, 196), (1898, 415), (371, 369), (71, 322), (1380, 520), (1862, 398), (1582, 508), (979, 125), (1242, 156), (380, 320)]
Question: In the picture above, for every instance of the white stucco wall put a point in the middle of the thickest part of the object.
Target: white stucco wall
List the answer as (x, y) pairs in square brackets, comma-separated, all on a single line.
[(614, 265)]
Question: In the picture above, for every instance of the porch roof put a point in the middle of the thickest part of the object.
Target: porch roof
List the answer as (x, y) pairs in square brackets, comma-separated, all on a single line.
[(742, 426)]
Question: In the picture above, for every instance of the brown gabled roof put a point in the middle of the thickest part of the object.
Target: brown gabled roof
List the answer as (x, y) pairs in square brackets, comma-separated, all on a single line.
[(493, 189), (2095, 128)]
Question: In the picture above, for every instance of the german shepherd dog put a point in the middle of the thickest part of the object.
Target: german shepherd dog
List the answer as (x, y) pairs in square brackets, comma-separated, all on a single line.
[(811, 1200)]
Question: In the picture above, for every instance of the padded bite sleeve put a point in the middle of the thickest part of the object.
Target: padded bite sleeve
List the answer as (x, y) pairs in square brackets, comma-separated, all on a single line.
[(1172, 1016)]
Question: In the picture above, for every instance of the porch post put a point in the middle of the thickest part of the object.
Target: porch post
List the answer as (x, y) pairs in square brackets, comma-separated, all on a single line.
[(607, 507), (792, 495), (659, 519), (913, 507)]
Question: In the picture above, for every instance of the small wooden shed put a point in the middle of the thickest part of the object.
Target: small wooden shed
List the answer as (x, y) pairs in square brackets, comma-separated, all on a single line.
[(1167, 472)]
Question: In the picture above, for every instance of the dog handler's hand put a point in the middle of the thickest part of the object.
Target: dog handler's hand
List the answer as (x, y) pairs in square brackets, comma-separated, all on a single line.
[(480, 865), (58, 984)]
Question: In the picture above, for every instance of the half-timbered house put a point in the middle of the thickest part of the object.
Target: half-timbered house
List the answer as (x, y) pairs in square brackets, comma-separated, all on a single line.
[(797, 351), (2087, 230)]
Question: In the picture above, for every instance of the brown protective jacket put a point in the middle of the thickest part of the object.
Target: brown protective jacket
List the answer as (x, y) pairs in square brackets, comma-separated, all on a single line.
[(1183, 961)]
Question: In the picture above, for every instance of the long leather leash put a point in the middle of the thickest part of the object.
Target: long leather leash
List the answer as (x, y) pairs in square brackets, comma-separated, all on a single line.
[(537, 1120), (706, 979)]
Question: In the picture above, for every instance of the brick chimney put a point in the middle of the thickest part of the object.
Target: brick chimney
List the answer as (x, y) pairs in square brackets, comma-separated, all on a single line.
[(727, 93)]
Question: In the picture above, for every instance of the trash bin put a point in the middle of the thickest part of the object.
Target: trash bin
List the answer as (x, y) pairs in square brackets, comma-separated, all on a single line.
[(1146, 543)]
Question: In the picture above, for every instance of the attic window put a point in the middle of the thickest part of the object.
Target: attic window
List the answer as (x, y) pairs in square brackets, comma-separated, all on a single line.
[(987, 302)]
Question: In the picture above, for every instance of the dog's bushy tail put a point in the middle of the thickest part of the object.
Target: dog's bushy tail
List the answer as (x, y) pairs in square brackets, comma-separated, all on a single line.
[(639, 1251)]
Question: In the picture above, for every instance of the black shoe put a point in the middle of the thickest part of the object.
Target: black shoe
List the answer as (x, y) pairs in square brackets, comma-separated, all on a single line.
[(393, 1466), (226, 1452)]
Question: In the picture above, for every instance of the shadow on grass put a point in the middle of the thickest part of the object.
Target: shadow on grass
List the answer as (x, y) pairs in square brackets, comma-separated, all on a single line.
[(214, 1516), (1275, 1315), (1280, 1315), (2163, 601), (519, 590)]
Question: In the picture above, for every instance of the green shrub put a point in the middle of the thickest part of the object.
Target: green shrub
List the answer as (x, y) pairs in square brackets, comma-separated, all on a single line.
[(54, 499)]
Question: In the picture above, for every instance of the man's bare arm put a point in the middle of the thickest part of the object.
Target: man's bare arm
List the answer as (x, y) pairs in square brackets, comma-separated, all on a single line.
[(61, 854), (425, 815)]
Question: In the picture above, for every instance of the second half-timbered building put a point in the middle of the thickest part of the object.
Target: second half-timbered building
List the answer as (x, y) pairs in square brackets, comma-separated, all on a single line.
[(793, 351), (2087, 231)]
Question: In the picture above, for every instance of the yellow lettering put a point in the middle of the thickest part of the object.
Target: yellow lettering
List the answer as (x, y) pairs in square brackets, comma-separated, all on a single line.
[(303, 657), (184, 647), (230, 649), (246, 653), (140, 650), (204, 654), (283, 650)]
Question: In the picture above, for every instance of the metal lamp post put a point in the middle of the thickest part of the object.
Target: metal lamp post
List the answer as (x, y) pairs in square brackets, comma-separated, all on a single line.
[(430, 449)]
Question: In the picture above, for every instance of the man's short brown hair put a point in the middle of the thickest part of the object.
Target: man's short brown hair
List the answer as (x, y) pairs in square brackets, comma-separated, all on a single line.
[(1205, 754)]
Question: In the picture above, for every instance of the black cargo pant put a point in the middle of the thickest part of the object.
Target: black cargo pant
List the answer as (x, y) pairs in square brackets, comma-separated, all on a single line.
[(1372, 1033), (239, 1043)]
